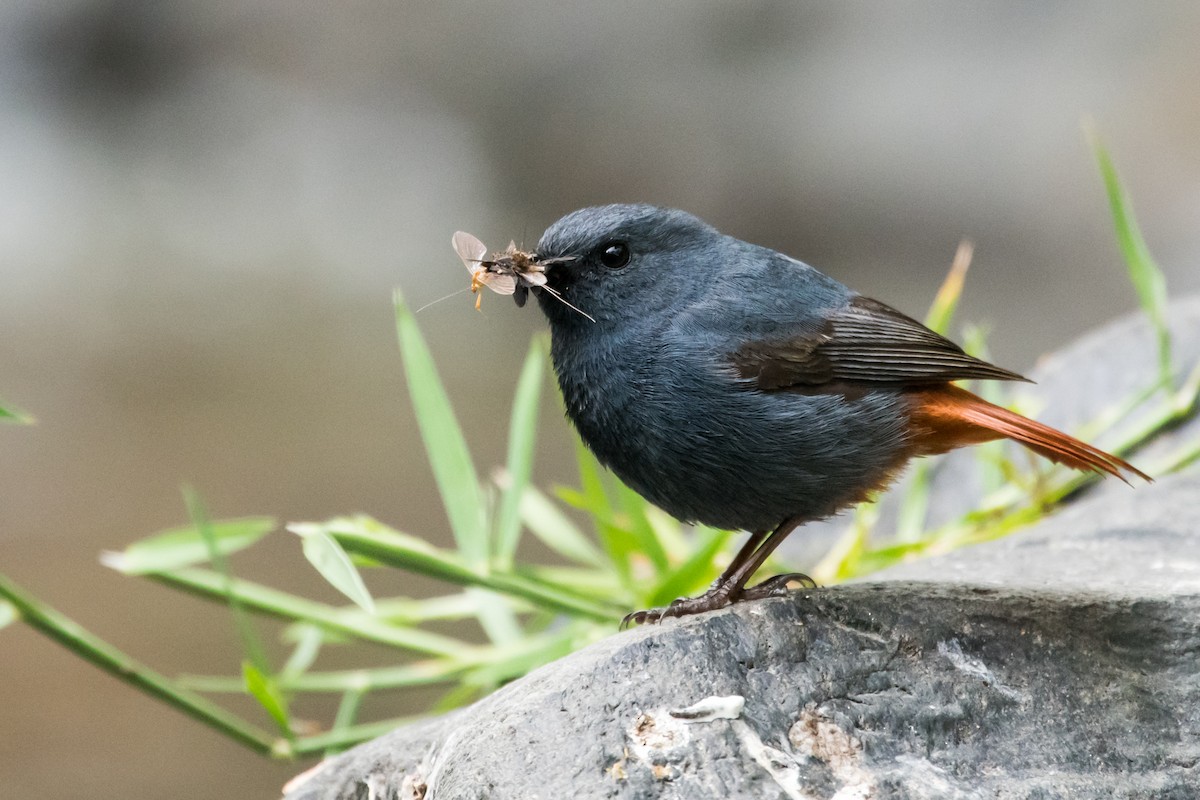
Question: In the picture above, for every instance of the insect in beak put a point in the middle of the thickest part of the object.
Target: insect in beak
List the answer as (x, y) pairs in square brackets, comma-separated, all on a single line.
[(512, 271)]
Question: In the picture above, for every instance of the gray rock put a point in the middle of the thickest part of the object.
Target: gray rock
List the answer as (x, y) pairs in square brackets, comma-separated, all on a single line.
[(1063, 661)]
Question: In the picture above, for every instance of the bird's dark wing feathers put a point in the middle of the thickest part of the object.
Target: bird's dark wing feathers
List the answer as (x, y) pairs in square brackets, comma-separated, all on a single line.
[(866, 342)]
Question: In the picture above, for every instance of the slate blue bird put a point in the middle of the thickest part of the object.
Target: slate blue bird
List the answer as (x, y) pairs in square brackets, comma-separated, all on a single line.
[(734, 386)]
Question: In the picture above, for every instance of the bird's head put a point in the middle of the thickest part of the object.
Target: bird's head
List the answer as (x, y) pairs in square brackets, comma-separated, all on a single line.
[(620, 262)]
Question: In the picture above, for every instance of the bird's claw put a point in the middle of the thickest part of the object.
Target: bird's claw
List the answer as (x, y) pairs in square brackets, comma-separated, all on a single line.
[(714, 598), (777, 586), (718, 596)]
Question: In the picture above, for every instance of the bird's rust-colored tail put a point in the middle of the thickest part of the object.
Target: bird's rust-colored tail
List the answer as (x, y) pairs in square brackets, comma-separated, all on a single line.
[(946, 417)]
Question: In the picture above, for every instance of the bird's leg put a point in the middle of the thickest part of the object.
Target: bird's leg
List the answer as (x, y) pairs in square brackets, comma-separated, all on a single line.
[(719, 595), (777, 586), (730, 587), (772, 587)]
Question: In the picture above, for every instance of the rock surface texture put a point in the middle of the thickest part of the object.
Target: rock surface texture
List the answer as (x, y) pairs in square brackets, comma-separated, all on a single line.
[(1061, 662)]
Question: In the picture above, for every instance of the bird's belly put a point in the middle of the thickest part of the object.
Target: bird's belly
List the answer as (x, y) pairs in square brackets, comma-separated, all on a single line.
[(735, 458)]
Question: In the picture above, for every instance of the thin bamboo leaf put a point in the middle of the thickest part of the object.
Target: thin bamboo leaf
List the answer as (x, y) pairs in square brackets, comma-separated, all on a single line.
[(453, 470), (556, 530), (72, 636), (843, 558), (520, 661), (329, 559), (409, 611), (407, 552), (1147, 278), (1178, 461), (420, 673), (252, 645), (590, 480), (882, 557), (696, 571), (990, 455), (13, 415), (522, 435), (593, 499), (668, 531), (262, 688), (309, 639), (316, 743), (582, 581), (945, 302), (185, 546), (8, 614), (273, 602), (914, 504), (343, 721), (495, 616), (456, 697), (633, 514)]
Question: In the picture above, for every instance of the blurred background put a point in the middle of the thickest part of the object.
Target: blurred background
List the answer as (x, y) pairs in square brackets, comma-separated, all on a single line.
[(205, 207)]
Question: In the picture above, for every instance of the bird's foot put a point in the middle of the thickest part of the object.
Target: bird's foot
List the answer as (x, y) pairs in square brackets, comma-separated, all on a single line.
[(718, 596), (777, 586)]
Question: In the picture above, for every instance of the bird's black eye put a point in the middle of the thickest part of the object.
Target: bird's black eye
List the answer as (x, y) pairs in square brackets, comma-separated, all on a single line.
[(614, 255)]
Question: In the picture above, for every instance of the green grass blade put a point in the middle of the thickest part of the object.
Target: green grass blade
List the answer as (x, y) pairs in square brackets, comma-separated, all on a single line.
[(457, 697), (1144, 272), (669, 532), (275, 603), (524, 658), (10, 414), (594, 496), (329, 559), (407, 552), (309, 639), (185, 546), (844, 557), (87, 646), (262, 687), (522, 434), (914, 504), (8, 614), (593, 499), (251, 643), (321, 742), (945, 302), (634, 519), (694, 573), (882, 557), (409, 611), (495, 616), (556, 530), (343, 721), (453, 470), (581, 580), (406, 676), (990, 455)]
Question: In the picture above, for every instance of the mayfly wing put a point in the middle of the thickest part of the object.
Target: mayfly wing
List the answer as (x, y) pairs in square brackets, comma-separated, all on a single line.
[(499, 282), (469, 249)]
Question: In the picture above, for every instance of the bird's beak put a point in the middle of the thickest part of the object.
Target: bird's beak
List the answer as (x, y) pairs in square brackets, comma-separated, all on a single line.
[(554, 263)]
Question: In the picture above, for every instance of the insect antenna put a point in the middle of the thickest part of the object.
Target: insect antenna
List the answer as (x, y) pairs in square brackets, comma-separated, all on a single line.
[(440, 299)]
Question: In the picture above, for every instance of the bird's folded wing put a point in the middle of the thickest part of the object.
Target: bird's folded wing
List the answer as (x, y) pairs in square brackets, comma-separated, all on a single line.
[(863, 342)]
